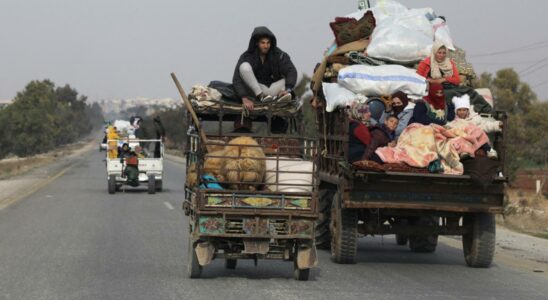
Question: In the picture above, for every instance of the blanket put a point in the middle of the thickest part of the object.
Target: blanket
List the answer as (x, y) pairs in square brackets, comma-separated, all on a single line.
[(419, 145)]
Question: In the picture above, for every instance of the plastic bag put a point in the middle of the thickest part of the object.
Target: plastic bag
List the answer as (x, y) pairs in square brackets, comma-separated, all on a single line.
[(442, 33), (382, 80), (403, 38), (338, 96)]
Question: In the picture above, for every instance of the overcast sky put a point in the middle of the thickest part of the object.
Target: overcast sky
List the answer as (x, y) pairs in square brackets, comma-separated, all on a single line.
[(127, 48)]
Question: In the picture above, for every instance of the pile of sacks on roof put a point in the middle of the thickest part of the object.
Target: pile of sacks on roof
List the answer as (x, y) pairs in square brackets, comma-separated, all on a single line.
[(377, 51)]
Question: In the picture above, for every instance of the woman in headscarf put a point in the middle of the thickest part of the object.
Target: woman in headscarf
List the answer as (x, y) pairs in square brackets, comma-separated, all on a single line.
[(402, 109), (438, 68), (359, 115), (433, 108)]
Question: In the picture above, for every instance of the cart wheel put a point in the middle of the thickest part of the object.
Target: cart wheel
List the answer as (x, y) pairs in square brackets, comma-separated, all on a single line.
[(479, 243), (300, 274), (424, 243), (323, 236), (112, 184), (194, 269), (159, 185), (401, 239), (344, 233), (230, 263), (151, 184)]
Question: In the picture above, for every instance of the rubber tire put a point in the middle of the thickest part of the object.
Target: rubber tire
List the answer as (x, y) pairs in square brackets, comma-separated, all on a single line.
[(300, 274), (479, 245), (151, 184), (159, 186), (424, 243), (401, 239), (344, 233), (112, 184), (231, 263), (323, 235), (194, 268)]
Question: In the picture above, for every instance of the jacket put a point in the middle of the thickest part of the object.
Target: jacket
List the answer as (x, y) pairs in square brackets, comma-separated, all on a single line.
[(425, 115), (277, 65), (358, 140), (487, 124), (424, 70), (403, 118), (380, 137)]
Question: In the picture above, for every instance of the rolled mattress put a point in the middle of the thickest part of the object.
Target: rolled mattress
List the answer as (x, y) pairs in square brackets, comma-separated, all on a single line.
[(304, 177)]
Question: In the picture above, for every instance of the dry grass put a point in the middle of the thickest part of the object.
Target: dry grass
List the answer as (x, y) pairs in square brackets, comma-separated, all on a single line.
[(527, 212), (13, 166)]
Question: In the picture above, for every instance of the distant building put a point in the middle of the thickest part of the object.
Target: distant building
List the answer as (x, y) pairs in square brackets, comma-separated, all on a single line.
[(4, 103), (120, 105)]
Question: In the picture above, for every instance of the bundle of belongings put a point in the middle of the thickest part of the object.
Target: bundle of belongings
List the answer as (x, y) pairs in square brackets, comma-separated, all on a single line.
[(241, 164), (221, 95), (390, 50)]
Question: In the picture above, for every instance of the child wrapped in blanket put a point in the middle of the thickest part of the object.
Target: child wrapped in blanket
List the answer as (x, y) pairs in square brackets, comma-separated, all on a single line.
[(487, 124)]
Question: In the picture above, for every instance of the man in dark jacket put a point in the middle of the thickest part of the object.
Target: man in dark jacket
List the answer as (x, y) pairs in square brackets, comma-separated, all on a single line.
[(264, 72)]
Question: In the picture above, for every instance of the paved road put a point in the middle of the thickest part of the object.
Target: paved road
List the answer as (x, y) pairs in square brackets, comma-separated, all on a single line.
[(72, 240)]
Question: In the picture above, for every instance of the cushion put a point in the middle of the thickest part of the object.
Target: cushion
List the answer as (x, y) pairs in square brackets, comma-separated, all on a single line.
[(348, 30)]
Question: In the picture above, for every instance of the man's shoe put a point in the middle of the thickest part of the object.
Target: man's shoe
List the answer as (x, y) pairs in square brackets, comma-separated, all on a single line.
[(285, 98), (265, 98)]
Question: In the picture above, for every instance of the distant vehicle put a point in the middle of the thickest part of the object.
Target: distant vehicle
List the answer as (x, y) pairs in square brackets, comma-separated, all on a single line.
[(150, 155)]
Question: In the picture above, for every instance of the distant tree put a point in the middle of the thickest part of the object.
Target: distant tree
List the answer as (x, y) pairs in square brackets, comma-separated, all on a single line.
[(527, 123)]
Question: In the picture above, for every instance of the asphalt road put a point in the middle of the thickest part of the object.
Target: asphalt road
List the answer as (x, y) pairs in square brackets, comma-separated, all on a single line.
[(72, 240)]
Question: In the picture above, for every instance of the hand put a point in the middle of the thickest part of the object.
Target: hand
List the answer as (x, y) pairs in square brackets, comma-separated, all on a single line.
[(248, 104), (392, 144)]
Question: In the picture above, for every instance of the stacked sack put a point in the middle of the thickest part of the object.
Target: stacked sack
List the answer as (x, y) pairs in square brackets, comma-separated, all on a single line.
[(376, 52)]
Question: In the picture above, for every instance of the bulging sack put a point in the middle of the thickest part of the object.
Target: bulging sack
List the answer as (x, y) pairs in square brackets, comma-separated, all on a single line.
[(442, 33), (338, 96), (402, 38), (382, 80)]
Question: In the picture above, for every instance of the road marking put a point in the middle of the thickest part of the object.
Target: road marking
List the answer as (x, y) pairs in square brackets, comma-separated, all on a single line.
[(34, 188), (168, 205)]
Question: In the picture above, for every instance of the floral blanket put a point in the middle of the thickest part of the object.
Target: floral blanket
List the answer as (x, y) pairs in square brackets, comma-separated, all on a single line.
[(419, 145)]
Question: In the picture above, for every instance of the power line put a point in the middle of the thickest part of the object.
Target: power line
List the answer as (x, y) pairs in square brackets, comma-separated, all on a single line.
[(540, 83), (535, 64), (534, 46), (535, 69)]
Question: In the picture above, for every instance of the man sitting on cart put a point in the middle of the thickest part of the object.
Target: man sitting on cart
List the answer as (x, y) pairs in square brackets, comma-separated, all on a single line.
[(264, 72)]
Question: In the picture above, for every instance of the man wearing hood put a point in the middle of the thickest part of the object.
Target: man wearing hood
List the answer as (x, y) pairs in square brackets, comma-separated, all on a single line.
[(264, 72)]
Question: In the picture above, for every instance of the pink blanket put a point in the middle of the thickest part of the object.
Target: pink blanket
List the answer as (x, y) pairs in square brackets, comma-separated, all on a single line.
[(419, 145)]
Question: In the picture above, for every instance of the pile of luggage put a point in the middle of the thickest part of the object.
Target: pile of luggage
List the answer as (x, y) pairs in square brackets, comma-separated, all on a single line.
[(376, 53)]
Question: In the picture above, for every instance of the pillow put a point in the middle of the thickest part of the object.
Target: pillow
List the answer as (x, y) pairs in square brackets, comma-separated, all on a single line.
[(348, 30)]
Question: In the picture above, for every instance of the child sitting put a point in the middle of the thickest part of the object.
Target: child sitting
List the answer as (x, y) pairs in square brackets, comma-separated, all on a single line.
[(487, 124)]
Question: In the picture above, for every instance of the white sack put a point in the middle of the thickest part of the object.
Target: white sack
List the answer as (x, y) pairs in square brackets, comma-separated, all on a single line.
[(382, 80), (289, 178), (338, 96), (442, 33), (403, 38)]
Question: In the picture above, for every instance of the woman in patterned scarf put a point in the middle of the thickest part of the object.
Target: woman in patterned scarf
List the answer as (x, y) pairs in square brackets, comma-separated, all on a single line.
[(433, 108), (438, 68), (359, 115)]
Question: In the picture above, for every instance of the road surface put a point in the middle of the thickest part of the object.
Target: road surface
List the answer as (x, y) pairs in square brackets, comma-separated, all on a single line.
[(72, 240)]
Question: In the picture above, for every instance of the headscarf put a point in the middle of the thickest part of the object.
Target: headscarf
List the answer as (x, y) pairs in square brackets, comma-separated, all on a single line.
[(437, 102), (357, 110), (403, 97), (436, 68)]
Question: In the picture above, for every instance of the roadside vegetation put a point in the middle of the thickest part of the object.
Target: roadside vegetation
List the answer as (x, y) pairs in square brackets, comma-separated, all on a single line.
[(44, 117)]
